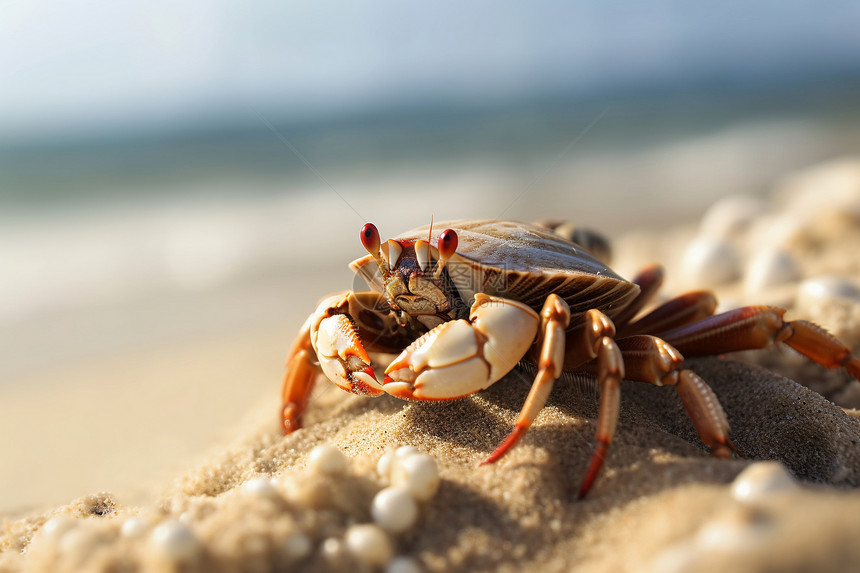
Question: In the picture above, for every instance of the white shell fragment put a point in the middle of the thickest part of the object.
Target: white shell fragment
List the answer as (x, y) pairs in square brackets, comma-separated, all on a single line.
[(174, 541), (833, 302), (260, 487), (710, 262), (394, 509), (333, 550), (134, 527), (297, 547), (56, 527), (830, 287), (79, 541), (761, 479), (403, 565), (369, 544), (772, 267), (731, 216), (383, 466), (417, 474), (729, 534), (406, 451), (326, 459)]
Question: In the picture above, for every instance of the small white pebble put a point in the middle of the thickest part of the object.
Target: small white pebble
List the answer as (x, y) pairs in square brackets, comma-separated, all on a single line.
[(771, 267), (394, 509), (260, 487), (733, 531), (79, 542), (828, 287), (679, 558), (418, 474), (369, 543), (406, 451), (297, 546), (56, 527), (134, 527), (174, 541), (403, 565), (383, 466), (333, 550), (760, 480), (327, 459), (731, 215), (709, 262)]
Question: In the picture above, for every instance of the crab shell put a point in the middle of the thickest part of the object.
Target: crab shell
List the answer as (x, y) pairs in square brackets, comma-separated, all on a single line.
[(518, 261)]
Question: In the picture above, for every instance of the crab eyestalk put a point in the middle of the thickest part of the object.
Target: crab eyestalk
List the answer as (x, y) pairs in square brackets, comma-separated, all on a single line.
[(370, 239), (446, 246)]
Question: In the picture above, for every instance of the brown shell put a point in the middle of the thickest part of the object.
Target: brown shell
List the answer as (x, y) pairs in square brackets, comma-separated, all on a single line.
[(526, 263)]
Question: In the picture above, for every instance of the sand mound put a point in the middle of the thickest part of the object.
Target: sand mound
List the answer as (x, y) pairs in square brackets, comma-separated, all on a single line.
[(661, 502)]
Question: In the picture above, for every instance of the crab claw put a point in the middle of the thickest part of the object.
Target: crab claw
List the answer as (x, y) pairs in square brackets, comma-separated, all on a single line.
[(342, 357), (460, 357)]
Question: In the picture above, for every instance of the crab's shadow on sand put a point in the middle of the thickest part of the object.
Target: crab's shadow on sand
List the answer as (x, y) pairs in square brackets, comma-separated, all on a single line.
[(771, 418)]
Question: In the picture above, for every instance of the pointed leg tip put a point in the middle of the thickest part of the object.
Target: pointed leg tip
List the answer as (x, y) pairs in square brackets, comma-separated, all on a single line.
[(289, 418), (506, 445)]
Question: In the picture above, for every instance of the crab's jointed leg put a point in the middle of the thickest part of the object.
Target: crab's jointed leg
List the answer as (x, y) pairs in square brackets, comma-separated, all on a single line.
[(650, 359), (595, 340), (753, 327), (649, 280), (600, 343), (460, 357), (555, 316), (299, 376), (682, 310)]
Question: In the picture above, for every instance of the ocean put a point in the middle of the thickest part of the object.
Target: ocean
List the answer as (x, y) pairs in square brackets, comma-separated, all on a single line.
[(114, 243)]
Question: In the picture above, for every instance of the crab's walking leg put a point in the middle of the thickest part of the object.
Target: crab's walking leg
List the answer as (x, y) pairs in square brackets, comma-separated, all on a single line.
[(555, 316), (684, 309), (649, 281), (596, 341), (610, 370), (650, 359), (753, 327), (299, 376)]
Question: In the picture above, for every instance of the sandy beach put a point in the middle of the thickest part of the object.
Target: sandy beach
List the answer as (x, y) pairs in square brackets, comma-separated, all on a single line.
[(102, 481)]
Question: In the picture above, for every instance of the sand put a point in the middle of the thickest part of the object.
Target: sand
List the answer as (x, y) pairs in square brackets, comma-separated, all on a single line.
[(661, 503), (658, 492)]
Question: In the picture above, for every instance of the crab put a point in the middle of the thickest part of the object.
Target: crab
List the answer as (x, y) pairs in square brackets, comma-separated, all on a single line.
[(463, 306)]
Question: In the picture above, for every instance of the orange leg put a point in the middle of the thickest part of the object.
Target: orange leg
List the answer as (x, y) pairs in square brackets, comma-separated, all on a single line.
[(352, 323), (301, 370), (594, 340), (610, 373), (649, 279), (753, 327), (685, 309), (555, 316), (650, 359)]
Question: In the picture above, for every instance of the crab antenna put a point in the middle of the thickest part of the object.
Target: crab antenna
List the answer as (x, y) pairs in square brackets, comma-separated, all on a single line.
[(430, 234), (447, 246), (370, 240)]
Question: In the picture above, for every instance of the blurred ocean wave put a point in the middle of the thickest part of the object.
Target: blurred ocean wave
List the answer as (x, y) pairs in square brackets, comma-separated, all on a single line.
[(125, 242)]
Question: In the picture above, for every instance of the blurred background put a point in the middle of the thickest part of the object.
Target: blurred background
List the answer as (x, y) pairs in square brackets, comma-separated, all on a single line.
[(181, 181)]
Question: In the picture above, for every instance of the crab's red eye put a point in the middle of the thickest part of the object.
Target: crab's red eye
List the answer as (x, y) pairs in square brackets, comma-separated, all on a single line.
[(370, 238), (447, 244)]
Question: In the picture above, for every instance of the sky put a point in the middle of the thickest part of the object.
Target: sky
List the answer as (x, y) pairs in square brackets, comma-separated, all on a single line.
[(101, 66)]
